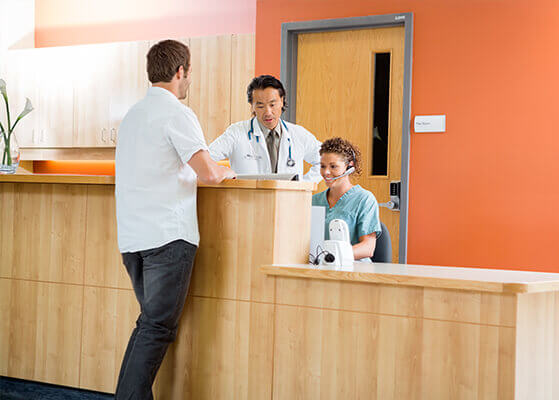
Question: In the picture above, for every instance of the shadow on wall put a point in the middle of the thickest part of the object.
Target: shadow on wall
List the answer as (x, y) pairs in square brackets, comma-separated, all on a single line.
[(170, 27)]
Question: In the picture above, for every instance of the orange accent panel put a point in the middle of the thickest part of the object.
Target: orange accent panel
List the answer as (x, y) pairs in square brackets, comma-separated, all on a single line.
[(485, 192), (74, 167)]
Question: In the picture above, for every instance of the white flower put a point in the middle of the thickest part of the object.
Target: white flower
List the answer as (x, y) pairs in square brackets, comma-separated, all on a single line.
[(27, 109), (3, 90)]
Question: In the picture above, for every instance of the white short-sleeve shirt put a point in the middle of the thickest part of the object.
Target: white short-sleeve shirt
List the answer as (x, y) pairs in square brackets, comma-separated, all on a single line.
[(155, 188)]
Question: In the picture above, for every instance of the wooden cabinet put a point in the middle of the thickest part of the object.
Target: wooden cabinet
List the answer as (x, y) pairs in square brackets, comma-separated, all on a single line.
[(81, 93), (114, 78), (45, 77), (20, 78)]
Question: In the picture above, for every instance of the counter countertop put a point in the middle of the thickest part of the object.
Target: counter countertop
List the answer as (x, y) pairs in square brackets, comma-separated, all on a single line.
[(477, 279), (110, 180)]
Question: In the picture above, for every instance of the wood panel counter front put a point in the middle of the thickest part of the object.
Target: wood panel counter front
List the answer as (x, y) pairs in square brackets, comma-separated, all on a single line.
[(68, 309), (287, 331), (394, 331)]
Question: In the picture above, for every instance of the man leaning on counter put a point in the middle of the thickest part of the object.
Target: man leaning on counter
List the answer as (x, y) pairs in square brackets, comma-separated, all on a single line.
[(160, 153)]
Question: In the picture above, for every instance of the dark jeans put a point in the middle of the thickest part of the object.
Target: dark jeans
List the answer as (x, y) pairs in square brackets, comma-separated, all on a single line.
[(160, 278)]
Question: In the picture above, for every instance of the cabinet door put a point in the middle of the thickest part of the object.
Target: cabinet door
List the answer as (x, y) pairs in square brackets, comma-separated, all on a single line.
[(55, 107), (93, 86), (21, 71), (128, 70)]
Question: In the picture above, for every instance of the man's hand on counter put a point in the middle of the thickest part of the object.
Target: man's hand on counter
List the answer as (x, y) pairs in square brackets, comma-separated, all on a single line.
[(208, 171)]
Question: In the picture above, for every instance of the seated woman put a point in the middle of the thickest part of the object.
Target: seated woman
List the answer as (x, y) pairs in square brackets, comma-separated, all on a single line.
[(353, 204)]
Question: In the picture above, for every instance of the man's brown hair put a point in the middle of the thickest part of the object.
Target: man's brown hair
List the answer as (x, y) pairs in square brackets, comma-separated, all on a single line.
[(164, 60)]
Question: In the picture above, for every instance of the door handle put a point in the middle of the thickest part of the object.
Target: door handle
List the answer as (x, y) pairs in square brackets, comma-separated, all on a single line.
[(389, 204), (394, 202), (103, 135)]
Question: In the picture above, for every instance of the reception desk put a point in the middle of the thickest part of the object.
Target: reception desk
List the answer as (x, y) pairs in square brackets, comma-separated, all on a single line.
[(393, 331), (258, 322), (68, 308)]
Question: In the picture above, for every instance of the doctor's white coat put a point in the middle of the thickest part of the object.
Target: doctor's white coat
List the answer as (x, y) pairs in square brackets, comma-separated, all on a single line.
[(251, 156)]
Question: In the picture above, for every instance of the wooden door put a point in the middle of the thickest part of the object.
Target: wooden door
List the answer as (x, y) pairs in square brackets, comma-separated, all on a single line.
[(339, 77)]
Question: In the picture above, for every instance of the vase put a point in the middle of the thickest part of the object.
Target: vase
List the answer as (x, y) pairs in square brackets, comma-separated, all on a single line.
[(9, 154)]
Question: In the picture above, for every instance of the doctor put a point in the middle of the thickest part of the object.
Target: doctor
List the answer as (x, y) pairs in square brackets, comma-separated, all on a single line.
[(265, 143)]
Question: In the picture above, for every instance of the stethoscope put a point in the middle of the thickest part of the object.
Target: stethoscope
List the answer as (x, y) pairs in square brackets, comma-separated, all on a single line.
[(290, 161)]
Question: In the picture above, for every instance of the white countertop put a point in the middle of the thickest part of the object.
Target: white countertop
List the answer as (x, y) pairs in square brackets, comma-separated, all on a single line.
[(482, 279)]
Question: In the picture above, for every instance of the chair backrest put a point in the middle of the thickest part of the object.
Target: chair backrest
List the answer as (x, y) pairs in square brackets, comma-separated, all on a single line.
[(383, 248)]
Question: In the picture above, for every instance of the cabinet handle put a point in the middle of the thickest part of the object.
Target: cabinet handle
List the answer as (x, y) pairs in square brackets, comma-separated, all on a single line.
[(33, 136), (42, 136), (104, 135), (113, 135)]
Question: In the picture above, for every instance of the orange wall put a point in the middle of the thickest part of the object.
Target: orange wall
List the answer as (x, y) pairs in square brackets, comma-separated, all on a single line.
[(485, 192), (71, 22)]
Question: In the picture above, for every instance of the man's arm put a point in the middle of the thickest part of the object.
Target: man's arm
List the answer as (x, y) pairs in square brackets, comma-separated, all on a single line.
[(312, 156), (223, 145), (208, 171)]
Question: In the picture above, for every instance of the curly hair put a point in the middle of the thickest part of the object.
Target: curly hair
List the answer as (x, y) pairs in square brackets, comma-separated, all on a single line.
[(344, 148)]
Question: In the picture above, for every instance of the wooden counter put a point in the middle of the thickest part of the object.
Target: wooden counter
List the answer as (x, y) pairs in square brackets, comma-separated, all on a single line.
[(259, 323), (392, 331), (479, 279), (68, 308)]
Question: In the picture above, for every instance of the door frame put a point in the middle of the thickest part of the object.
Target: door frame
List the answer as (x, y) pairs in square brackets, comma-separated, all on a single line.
[(289, 39)]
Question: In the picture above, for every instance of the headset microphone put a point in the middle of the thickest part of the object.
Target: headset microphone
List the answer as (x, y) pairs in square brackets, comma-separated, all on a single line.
[(350, 170)]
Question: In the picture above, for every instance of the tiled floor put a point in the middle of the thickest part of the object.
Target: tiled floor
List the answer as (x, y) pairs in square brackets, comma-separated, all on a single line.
[(16, 389)]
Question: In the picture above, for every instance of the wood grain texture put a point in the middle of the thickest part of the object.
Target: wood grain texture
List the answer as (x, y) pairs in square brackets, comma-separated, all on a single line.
[(70, 179), (537, 361), (242, 72), (404, 301), (335, 86), (223, 350), (234, 244), (292, 226), (327, 354), (42, 331), (419, 275), (8, 222), (210, 91), (109, 317), (103, 261), (49, 236), (5, 323)]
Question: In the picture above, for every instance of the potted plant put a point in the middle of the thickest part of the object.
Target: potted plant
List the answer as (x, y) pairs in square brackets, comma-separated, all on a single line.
[(9, 149)]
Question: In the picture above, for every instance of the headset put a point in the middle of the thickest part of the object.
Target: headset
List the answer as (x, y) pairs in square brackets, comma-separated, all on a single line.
[(350, 170), (290, 161)]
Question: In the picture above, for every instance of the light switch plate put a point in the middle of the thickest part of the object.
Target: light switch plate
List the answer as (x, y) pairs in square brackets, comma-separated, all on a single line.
[(430, 123)]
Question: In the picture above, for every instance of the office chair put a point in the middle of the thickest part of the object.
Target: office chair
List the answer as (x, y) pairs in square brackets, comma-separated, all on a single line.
[(383, 248)]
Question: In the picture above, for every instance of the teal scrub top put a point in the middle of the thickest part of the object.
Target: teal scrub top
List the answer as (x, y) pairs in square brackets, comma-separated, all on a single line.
[(357, 207)]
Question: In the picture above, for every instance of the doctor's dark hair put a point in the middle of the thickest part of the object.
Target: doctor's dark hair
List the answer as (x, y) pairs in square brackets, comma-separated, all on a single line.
[(164, 60), (264, 82), (344, 148)]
